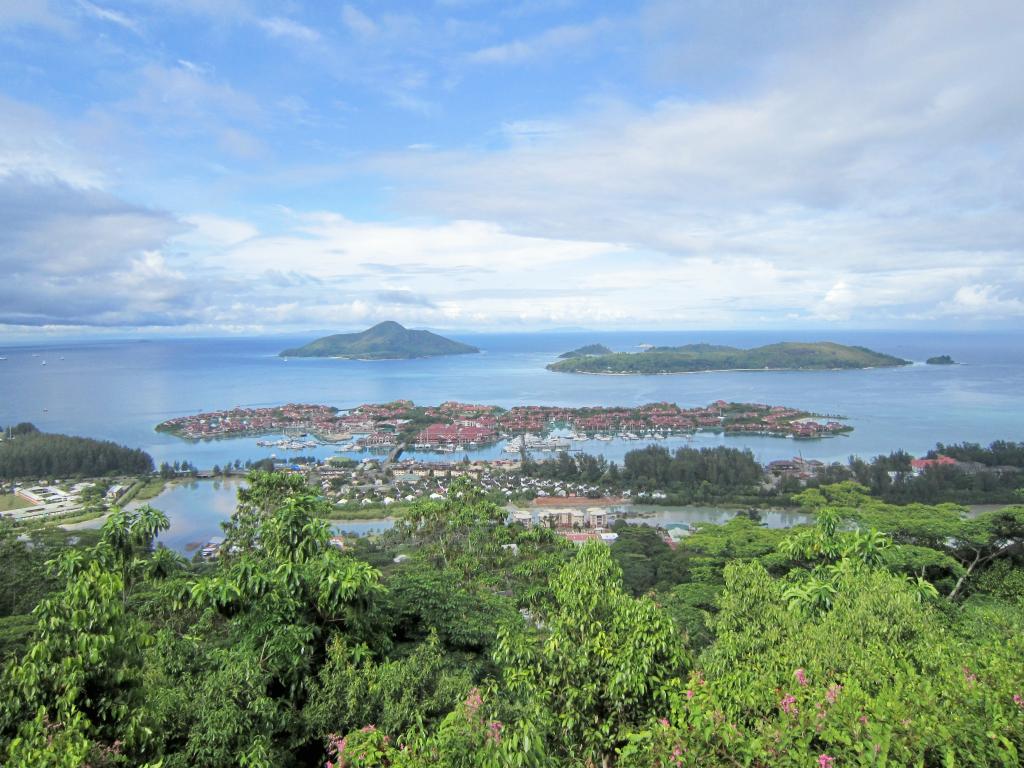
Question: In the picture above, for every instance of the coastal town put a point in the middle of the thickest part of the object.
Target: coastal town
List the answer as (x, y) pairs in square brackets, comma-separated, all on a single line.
[(379, 488), (453, 426)]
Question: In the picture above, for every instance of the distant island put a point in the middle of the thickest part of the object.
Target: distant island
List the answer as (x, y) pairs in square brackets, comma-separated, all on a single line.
[(941, 360), (589, 349), (384, 341), (786, 356)]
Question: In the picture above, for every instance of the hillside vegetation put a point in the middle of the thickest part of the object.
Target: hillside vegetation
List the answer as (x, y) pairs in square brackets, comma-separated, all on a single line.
[(893, 642), (384, 341), (34, 454), (822, 355), (589, 349)]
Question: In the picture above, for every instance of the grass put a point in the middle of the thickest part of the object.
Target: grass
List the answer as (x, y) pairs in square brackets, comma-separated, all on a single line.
[(77, 517), (142, 489), (151, 489), (367, 512), (9, 502)]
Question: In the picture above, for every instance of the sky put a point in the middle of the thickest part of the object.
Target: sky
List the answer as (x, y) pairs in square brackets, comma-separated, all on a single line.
[(191, 167)]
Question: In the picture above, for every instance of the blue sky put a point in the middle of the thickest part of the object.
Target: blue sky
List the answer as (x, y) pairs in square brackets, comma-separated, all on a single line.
[(211, 166)]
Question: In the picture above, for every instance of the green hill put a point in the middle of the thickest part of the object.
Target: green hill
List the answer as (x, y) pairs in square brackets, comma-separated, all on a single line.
[(589, 349), (384, 341), (941, 360), (822, 355)]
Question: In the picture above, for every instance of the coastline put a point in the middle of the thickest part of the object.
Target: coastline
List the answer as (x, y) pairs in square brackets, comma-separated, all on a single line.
[(722, 370)]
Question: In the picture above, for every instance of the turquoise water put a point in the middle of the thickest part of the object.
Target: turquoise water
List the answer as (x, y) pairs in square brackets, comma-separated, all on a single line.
[(120, 390)]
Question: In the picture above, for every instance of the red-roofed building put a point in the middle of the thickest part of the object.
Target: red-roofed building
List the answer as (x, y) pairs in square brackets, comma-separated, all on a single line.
[(920, 465)]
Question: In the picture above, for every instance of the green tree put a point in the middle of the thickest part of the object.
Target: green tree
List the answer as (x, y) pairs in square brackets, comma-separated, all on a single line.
[(602, 664)]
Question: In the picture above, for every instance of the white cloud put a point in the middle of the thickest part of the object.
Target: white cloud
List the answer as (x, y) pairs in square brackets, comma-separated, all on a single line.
[(240, 143), (552, 41), (109, 15), (38, 13), (983, 300), (328, 245), (278, 26), (893, 151), (83, 257), (218, 230), (32, 147), (357, 21), (872, 175)]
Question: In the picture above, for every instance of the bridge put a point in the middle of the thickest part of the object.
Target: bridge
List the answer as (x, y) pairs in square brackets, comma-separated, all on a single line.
[(395, 453)]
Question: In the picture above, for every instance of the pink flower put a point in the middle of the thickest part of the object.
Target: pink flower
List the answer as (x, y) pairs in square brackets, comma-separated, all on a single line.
[(824, 761), (970, 677), (473, 702), (689, 694), (1018, 700), (788, 704), (495, 731), (664, 722), (833, 692), (863, 719), (800, 676)]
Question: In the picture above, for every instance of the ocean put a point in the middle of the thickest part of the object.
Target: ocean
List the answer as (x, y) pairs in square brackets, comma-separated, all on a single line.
[(120, 390)]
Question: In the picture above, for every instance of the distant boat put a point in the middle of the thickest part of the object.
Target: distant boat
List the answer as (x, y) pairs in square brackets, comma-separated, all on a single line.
[(3, 358), (43, 363)]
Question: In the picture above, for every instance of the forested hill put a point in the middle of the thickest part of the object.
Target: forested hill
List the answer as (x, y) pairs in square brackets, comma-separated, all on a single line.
[(26, 452), (821, 355), (384, 341), (589, 349)]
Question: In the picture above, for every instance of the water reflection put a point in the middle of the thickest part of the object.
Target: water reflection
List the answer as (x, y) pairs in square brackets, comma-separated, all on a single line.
[(197, 508)]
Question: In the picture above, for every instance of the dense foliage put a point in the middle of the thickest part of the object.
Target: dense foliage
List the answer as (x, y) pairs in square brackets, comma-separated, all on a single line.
[(1001, 453), (684, 475), (983, 474), (711, 357), (34, 454), (587, 349), (879, 636), (689, 475)]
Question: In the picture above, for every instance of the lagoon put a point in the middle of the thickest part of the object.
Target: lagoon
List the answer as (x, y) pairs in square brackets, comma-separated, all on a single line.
[(197, 508)]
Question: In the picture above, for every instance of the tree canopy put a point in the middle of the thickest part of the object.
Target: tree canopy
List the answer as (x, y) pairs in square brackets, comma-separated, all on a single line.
[(880, 635)]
